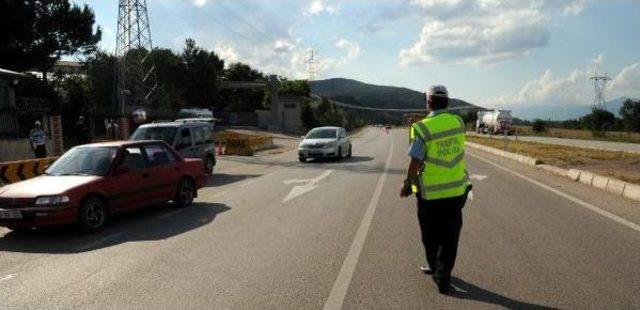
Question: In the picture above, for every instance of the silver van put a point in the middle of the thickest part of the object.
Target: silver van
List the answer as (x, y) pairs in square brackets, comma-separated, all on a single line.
[(190, 139)]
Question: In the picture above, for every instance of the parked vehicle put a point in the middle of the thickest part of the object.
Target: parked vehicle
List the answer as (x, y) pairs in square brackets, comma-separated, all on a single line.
[(195, 113), (92, 182), (494, 122), (191, 139), (325, 142)]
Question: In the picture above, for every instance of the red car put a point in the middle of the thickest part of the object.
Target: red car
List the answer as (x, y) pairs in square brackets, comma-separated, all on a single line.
[(90, 183)]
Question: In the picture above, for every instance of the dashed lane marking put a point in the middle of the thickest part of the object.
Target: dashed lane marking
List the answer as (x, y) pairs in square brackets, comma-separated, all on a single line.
[(340, 287)]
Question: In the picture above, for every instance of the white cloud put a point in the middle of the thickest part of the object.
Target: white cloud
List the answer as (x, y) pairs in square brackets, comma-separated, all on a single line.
[(199, 2), (283, 45), (483, 31), (227, 52), (317, 7), (626, 83), (352, 48), (575, 88)]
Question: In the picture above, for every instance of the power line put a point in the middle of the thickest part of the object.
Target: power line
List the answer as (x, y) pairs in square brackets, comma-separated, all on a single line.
[(311, 63), (600, 89), (134, 75)]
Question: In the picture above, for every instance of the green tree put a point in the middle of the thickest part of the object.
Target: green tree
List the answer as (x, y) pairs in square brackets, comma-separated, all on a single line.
[(296, 88), (202, 70), (35, 34), (538, 126), (307, 115), (244, 99), (170, 71), (99, 69), (599, 120), (630, 113)]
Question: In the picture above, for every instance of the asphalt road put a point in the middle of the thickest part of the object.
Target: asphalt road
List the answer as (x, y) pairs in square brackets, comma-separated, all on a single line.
[(590, 144), (271, 233)]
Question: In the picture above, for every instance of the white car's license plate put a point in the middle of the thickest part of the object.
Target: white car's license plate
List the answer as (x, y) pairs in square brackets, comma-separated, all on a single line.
[(10, 214)]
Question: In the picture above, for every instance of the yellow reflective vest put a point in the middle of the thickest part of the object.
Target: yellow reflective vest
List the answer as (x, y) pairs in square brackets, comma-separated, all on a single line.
[(444, 173)]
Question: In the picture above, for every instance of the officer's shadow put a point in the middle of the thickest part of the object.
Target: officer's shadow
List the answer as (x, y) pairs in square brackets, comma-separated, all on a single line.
[(466, 290)]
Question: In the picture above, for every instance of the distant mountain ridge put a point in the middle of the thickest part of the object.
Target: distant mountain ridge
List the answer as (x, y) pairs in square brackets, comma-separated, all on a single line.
[(376, 96), (563, 112)]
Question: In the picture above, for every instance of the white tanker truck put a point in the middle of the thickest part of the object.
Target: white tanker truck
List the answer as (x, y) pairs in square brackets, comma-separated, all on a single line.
[(494, 122)]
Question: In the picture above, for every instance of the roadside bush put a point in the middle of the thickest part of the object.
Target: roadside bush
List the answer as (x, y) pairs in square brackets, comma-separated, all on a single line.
[(630, 113), (538, 126)]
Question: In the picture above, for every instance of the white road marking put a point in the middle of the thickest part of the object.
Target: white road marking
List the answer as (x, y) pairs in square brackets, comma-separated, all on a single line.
[(578, 201), (340, 287), (478, 177), (248, 183), (7, 277), (300, 190), (101, 241)]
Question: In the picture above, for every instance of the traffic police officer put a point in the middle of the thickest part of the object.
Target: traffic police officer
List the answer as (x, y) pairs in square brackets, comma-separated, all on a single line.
[(438, 169)]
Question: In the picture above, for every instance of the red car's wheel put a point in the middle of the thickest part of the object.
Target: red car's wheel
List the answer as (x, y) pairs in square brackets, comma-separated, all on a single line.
[(93, 214), (186, 193)]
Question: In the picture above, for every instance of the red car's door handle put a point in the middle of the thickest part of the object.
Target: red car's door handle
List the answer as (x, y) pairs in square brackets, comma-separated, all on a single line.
[(176, 168), (145, 175)]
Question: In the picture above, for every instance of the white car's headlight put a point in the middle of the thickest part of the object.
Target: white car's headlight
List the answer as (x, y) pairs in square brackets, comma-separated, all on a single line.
[(52, 200)]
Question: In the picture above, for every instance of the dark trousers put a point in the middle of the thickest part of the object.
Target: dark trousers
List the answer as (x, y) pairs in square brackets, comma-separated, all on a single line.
[(40, 151), (440, 223)]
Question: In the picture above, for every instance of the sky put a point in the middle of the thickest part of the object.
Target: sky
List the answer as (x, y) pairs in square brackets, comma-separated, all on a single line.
[(509, 54)]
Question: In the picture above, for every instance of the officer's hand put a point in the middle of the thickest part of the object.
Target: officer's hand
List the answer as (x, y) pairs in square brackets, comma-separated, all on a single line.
[(405, 190)]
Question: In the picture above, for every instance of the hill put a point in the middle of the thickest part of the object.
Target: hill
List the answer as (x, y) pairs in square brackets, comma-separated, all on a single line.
[(375, 96)]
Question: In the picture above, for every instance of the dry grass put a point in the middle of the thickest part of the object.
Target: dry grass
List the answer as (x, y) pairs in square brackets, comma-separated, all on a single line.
[(617, 136), (622, 165)]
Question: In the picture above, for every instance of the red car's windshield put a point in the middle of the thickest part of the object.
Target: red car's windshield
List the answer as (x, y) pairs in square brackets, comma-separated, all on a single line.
[(84, 161)]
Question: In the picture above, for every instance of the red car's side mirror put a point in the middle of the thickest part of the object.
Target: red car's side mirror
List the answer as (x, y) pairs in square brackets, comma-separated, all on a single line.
[(122, 169)]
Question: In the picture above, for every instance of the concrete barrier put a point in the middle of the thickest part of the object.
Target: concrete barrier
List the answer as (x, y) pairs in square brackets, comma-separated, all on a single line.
[(586, 177), (20, 170), (517, 157), (631, 191), (600, 181), (616, 186), (574, 174), (554, 169)]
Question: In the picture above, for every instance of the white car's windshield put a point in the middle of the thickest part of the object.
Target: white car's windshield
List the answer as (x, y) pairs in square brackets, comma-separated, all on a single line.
[(324, 133), (165, 134)]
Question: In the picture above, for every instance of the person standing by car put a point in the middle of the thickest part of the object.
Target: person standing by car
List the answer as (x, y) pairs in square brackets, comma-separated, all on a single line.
[(438, 167), (37, 140)]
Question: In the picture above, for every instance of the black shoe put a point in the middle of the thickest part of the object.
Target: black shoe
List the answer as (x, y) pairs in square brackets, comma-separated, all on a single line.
[(426, 269)]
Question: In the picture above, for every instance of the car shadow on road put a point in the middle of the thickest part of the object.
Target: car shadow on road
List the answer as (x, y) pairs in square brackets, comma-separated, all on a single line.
[(466, 290), (353, 159), (221, 179), (154, 223)]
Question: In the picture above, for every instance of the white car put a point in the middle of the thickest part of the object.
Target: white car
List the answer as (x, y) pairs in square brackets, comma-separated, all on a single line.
[(325, 142)]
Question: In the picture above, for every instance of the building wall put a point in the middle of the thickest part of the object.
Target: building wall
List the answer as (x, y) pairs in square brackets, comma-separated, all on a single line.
[(18, 149)]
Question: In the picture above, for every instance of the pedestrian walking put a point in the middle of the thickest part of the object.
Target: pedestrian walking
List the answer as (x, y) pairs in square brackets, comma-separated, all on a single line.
[(37, 140), (440, 182)]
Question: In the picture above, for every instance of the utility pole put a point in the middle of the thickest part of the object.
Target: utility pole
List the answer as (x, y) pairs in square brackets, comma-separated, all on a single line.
[(134, 73), (600, 88), (311, 62)]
